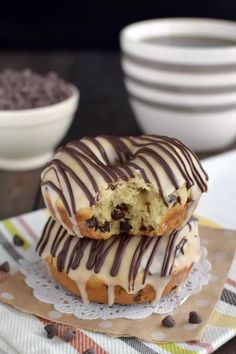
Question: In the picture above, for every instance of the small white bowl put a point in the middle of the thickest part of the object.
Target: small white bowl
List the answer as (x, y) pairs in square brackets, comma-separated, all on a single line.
[(28, 137)]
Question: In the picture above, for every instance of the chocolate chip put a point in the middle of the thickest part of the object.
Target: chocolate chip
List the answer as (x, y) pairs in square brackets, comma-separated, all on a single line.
[(5, 267), (171, 200), (117, 214), (92, 223), (143, 228), (89, 351), (125, 227), (174, 287), (194, 317), (122, 206), (137, 297), (168, 321), (18, 241), (105, 227), (69, 335), (179, 200), (112, 187), (52, 330), (26, 89)]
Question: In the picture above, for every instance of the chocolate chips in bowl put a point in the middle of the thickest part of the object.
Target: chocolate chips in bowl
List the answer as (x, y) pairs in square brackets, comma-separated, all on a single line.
[(36, 111), (26, 89)]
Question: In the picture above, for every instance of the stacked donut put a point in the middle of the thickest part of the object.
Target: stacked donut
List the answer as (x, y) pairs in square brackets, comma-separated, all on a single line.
[(121, 227)]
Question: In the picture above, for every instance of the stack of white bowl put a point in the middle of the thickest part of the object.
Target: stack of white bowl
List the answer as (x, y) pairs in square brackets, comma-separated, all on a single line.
[(181, 78)]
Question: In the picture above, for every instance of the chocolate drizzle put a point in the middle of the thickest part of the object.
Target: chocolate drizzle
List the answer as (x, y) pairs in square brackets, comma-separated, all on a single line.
[(157, 157), (179, 248), (77, 254), (168, 253), (100, 148), (172, 251), (76, 156), (101, 251), (57, 241), (45, 236), (114, 159), (136, 260), (61, 258), (123, 242), (42, 238), (69, 253), (150, 260)]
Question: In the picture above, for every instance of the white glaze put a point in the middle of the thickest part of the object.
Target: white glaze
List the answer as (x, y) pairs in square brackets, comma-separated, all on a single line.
[(80, 198), (81, 275)]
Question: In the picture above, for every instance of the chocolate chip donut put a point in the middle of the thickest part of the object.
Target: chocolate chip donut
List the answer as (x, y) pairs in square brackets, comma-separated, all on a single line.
[(104, 186), (122, 269)]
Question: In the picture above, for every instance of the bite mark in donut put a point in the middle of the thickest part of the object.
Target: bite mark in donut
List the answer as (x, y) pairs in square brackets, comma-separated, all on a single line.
[(158, 179)]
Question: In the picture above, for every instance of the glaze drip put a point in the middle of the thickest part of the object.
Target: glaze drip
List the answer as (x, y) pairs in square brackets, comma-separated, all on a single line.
[(131, 262)]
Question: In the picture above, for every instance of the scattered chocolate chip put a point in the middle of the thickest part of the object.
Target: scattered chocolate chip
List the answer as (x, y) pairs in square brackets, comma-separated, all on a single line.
[(122, 206), (168, 321), (89, 351), (194, 317), (5, 267), (52, 330), (18, 241), (143, 228), (117, 214), (137, 297), (69, 335), (92, 223), (125, 227), (105, 227)]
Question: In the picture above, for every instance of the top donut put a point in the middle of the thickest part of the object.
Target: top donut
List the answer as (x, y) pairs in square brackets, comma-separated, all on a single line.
[(104, 186)]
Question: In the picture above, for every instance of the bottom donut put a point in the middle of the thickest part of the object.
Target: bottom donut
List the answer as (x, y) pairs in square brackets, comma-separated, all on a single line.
[(123, 269), (97, 291)]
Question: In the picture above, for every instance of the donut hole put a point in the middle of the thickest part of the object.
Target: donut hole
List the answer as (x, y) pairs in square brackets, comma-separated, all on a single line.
[(134, 207)]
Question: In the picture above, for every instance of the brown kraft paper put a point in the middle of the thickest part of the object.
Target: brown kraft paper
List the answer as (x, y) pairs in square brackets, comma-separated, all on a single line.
[(221, 245)]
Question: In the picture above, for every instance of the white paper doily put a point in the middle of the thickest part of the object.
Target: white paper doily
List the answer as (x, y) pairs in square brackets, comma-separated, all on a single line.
[(46, 290)]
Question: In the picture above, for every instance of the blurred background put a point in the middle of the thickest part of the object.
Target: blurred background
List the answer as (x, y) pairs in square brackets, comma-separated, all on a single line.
[(72, 37), (91, 24), (80, 41)]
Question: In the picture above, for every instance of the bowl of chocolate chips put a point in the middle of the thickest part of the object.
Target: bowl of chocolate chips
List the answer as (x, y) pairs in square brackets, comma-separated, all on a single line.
[(36, 112)]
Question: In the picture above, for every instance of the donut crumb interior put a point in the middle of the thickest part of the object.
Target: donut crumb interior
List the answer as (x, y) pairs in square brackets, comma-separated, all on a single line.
[(133, 207)]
